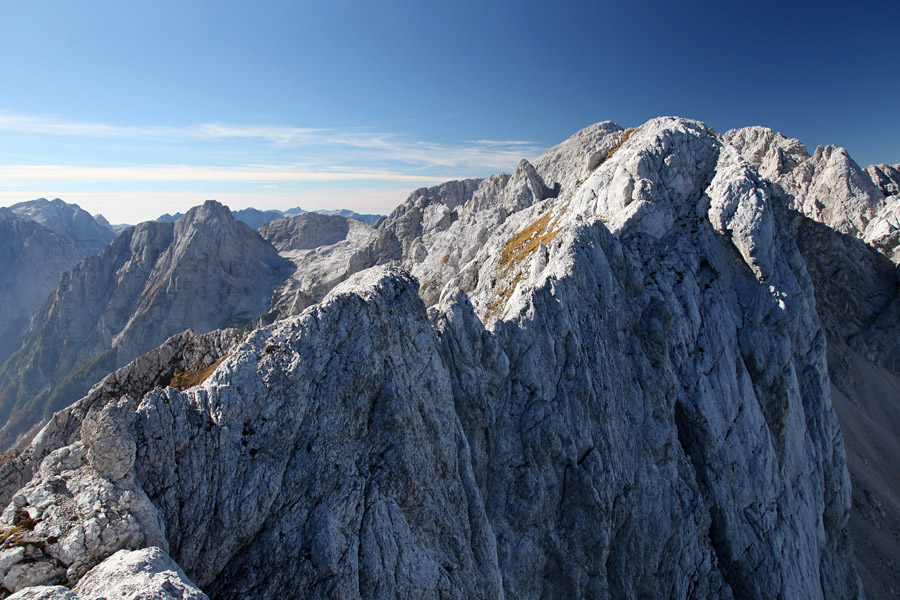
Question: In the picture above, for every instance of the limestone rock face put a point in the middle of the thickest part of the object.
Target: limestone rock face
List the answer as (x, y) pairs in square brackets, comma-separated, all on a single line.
[(33, 259), (438, 231), (854, 275), (828, 187), (204, 272), (615, 386), (305, 231), (325, 250), (886, 178), (883, 232), (401, 498), (564, 166), (82, 230), (856, 296), (45, 592)]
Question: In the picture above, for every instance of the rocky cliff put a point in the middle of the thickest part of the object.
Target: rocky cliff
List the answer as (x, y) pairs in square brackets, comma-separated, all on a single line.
[(204, 272), (325, 249), (615, 386), (854, 273)]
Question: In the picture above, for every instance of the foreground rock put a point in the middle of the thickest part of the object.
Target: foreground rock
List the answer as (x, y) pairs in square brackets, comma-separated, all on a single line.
[(126, 575)]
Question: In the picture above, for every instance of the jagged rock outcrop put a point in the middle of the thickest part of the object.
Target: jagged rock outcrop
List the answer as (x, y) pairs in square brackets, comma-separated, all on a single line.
[(33, 258), (438, 231), (883, 232), (886, 178), (857, 300), (620, 391), (204, 272), (828, 186), (85, 232)]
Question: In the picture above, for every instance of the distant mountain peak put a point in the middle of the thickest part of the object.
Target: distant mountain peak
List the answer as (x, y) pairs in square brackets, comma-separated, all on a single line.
[(68, 220), (256, 218)]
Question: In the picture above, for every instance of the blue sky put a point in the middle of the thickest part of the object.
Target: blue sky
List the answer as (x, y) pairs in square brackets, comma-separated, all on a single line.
[(135, 109)]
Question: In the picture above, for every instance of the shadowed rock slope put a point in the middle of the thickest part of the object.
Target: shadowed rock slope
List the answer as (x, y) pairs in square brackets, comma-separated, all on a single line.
[(32, 259), (39, 241), (205, 272), (620, 391)]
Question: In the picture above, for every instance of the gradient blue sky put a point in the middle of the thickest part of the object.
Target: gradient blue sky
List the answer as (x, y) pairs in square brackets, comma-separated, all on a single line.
[(134, 109)]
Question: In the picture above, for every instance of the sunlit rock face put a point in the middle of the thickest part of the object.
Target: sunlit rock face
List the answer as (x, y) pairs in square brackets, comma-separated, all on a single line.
[(602, 376)]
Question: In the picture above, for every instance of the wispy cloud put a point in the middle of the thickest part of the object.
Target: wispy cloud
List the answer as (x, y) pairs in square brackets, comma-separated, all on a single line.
[(176, 173), (131, 172), (345, 146), (44, 125)]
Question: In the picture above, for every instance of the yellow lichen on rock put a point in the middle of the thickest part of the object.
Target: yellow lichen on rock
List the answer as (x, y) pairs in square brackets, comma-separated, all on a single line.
[(511, 267)]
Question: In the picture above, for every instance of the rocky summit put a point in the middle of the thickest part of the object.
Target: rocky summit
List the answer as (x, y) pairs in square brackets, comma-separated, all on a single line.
[(609, 374)]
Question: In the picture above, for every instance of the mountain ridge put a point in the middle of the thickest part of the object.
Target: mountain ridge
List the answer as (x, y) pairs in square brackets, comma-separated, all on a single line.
[(615, 384)]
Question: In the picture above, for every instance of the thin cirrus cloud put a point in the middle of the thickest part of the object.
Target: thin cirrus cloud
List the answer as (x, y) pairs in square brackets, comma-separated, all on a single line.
[(132, 173), (176, 173), (331, 148)]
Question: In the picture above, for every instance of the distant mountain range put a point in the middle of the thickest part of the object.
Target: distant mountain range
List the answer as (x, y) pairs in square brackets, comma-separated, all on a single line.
[(205, 271), (90, 234), (256, 218), (97, 317)]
